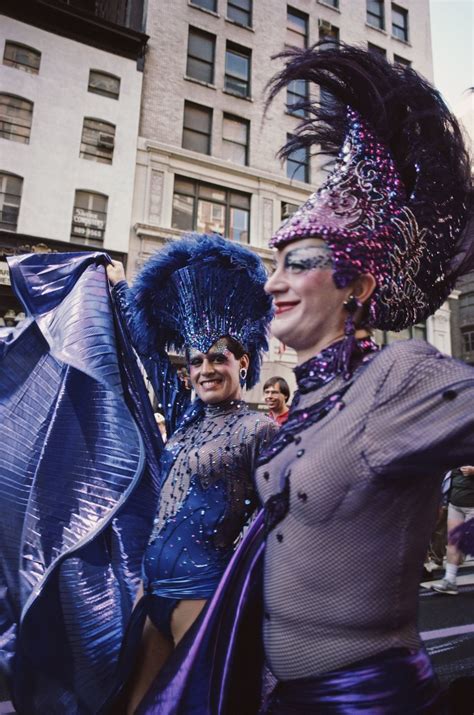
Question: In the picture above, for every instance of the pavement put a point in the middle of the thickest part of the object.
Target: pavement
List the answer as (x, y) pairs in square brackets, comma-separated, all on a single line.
[(446, 624)]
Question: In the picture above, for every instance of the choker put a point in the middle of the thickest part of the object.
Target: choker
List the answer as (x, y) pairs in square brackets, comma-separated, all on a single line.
[(322, 368)]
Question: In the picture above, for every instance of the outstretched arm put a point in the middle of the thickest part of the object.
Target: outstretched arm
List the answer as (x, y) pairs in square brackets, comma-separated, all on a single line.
[(171, 392)]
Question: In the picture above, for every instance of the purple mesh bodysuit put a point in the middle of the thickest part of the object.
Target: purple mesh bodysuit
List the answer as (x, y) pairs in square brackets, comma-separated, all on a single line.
[(352, 480)]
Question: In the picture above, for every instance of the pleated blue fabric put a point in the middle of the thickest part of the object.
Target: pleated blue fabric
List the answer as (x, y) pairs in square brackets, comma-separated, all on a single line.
[(79, 483)]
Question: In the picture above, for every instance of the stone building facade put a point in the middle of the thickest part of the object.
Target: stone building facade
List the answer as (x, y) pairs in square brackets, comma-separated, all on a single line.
[(206, 153), (70, 92)]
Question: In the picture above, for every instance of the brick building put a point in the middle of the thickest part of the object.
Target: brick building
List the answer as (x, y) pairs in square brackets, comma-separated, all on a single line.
[(207, 158)]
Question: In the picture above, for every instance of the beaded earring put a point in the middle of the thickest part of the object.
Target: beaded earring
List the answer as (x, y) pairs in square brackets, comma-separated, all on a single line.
[(352, 305)]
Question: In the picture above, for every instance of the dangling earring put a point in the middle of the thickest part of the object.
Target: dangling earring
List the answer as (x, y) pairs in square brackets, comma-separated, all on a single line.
[(242, 375), (352, 305)]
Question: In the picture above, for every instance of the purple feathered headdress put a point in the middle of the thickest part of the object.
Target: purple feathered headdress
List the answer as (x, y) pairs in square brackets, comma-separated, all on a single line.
[(198, 289), (396, 203)]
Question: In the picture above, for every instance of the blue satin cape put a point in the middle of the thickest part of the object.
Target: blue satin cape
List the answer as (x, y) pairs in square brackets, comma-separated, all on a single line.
[(79, 484)]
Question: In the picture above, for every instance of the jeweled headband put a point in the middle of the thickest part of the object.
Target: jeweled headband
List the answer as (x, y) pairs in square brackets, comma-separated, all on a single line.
[(198, 289), (396, 202)]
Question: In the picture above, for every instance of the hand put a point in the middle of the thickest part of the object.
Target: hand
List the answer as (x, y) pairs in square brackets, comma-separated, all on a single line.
[(468, 471), (115, 272)]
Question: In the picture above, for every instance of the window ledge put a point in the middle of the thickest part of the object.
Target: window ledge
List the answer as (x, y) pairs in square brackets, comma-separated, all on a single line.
[(377, 29), (403, 42), (204, 9), (331, 7), (199, 81), (239, 24), (239, 96)]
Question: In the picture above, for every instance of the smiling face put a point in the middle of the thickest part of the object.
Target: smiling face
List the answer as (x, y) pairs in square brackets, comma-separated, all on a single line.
[(275, 399), (309, 308), (215, 374)]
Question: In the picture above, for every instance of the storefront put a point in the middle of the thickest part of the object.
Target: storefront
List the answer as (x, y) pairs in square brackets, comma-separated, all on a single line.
[(14, 244)]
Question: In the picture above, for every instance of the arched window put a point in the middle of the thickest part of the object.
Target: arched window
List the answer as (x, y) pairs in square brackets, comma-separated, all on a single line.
[(22, 57), (16, 115), (89, 217), (10, 198), (98, 140)]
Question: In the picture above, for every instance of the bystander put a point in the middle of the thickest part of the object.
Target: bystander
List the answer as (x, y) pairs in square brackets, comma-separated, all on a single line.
[(460, 509), (277, 393)]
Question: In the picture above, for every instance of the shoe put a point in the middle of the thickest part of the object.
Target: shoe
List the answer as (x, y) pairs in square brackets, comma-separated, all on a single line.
[(446, 587)]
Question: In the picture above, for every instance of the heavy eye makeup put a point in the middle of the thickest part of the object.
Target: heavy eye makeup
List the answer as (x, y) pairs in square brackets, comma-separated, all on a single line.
[(219, 358), (307, 258)]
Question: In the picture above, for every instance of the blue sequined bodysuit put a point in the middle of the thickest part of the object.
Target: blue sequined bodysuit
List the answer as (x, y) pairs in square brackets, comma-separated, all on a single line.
[(206, 498)]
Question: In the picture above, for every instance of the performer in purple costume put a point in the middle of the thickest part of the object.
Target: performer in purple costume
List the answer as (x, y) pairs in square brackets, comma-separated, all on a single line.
[(356, 469)]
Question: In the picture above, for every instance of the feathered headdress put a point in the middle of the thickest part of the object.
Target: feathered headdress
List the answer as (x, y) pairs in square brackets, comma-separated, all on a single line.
[(396, 203), (198, 289)]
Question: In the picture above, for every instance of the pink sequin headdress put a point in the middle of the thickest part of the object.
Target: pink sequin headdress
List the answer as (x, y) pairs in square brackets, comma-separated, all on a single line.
[(396, 203)]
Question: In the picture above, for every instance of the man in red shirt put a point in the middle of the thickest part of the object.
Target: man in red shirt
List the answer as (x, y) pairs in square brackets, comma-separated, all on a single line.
[(277, 394)]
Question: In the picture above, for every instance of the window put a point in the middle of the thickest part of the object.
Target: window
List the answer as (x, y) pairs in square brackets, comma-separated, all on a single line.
[(22, 57), (240, 11), (237, 70), (376, 50), (10, 198), (296, 28), (297, 164), (89, 217), (400, 23), (201, 48), (197, 127), (97, 142), (296, 92), (206, 4), (105, 84), (468, 340), (417, 331), (235, 139), (16, 115), (332, 3), (287, 209), (207, 208), (401, 61), (327, 32), (375, 14)]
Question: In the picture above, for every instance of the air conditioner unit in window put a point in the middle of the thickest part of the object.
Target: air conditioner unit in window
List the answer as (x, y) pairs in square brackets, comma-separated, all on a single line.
[(106, 140), (287, 209), (324, 24)]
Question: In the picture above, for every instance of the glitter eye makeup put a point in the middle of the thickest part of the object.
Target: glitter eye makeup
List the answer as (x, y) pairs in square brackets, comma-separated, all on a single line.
[(218, 353), (307, 258)]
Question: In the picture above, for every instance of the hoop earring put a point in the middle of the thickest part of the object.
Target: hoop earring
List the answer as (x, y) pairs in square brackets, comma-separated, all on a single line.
[(242, 375)]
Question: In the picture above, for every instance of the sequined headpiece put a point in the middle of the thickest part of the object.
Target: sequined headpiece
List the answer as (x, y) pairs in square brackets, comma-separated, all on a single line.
[(396, 202), (198, 289)]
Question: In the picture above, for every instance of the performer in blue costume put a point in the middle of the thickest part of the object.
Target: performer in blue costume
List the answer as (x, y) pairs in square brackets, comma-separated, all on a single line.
[(355, 471), (203, 295), (81, 473)]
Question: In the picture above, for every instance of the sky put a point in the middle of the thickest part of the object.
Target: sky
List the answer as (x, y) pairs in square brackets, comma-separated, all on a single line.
[(452, 34)]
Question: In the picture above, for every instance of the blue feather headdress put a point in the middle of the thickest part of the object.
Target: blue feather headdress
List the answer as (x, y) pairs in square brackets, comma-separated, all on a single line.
[(198, 289)]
